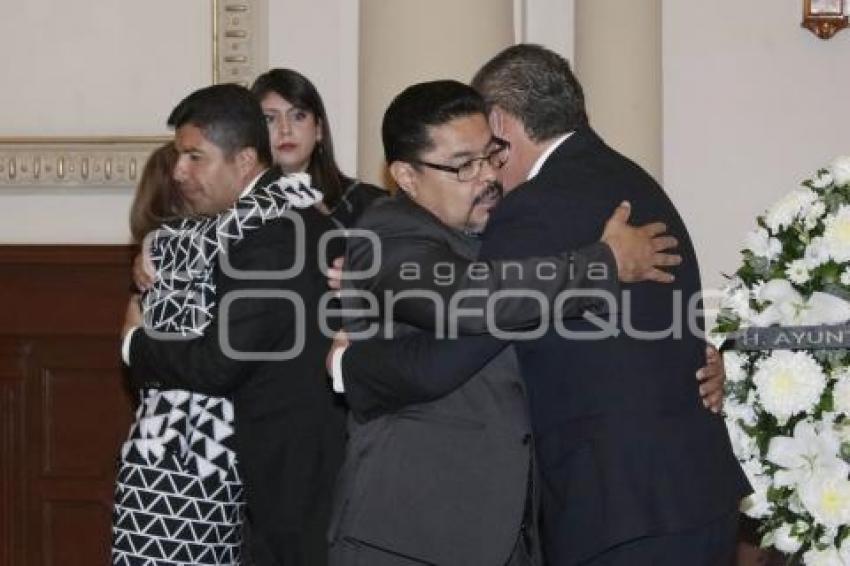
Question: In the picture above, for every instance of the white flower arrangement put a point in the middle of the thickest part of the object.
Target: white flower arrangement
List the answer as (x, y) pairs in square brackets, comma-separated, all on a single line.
[(788, 411), (788, 383)]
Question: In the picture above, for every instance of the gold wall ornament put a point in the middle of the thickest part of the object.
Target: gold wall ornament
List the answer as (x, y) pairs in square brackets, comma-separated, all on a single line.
[(824, 18), (74, 162), (240, 43), (239, 47)]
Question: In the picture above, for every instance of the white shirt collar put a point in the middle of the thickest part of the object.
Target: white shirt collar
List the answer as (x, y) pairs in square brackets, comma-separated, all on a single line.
[(250, 186), (545, 155)]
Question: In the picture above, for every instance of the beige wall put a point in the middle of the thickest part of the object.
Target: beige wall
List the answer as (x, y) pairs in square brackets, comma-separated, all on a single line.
[(93, 67), (753, 103), (618, 61), (87, 216), (93, 46), (319, 39), (78, 70), (546, 22), (408, 41)]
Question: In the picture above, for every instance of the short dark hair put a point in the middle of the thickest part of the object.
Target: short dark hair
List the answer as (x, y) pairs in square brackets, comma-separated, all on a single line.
[(537, 86), (418, 107), (229, 116), (297, 89)]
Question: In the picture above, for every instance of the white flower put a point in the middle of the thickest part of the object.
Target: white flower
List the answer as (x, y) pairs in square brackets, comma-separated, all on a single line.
[(816, 254), (792, 206), (841, 392), (840, 170), (823, 180), (733, 363), (736, 297), (827, 557), (757, 287), (787, 307), (844, 550), (756, 504), (785, 303), (788, 383), (827, 497), (784, 541), (836, 235), (744, 412), (827, 537), (824, 308), (795, 505), (798, 271), (827, 418), (737, 414), (743, 445), (761, 244), (843, 432), (815, 213), (809, 452), (777, 290)]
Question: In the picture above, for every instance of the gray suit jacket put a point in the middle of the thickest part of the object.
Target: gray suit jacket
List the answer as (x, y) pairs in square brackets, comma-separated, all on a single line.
[(439, 472)]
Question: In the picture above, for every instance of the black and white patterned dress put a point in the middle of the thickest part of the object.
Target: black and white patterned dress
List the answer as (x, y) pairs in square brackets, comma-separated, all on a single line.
[(178, 498)]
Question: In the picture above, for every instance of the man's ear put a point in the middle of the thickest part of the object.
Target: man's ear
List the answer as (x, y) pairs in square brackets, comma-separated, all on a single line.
[(246, 160), (495, 118), (510, 128), (404, 175)]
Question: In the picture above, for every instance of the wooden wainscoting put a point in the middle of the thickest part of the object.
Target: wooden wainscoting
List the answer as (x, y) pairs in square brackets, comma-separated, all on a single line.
[(64, 407)]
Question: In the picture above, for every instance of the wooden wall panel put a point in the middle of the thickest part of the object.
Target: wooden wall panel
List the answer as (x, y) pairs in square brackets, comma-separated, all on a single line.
[(64, 407), (13, 478), (66, 525), (63, 290), (76, 402)]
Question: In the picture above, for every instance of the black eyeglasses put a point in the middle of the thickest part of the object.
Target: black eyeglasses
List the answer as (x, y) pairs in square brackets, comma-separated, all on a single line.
[(469, 170)]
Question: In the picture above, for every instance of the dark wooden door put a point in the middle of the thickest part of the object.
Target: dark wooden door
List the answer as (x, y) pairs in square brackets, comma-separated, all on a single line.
[(64, 407)]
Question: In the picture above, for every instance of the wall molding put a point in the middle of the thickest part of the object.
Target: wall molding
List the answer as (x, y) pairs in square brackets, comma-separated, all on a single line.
[(239, 51), (74, 162), (240, 42)]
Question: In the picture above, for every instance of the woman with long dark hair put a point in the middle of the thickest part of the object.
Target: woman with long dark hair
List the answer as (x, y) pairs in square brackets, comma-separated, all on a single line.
[(301, 142)]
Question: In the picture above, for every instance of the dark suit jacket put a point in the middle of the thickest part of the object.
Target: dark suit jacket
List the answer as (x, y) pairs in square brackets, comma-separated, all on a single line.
[(356, 198), (289, 430), (444, 480), (624, 446)]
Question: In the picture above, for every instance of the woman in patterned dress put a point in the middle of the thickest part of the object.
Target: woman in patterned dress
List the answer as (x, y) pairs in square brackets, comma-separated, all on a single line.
[(178, 496)]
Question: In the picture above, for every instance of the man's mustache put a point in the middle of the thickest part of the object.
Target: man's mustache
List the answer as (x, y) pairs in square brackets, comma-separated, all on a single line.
[(491, 193)]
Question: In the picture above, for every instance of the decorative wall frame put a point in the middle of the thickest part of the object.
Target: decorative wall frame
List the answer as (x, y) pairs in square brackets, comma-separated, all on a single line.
[(239, 48), (825, 17)]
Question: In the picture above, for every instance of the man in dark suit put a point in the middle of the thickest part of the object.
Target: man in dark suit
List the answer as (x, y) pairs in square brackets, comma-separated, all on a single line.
[(289, 434), (633, 469), (446, 480)]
